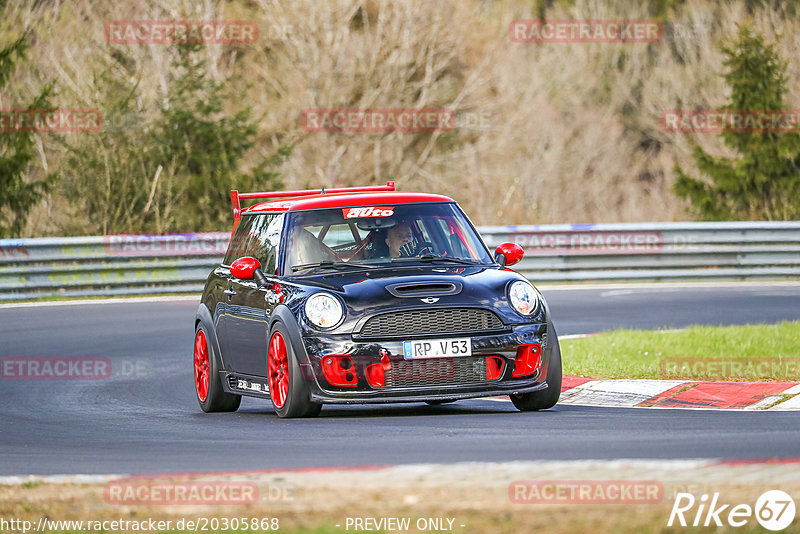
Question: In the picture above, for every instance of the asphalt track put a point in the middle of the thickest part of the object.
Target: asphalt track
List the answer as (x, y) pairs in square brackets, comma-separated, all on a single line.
[(145, 419)]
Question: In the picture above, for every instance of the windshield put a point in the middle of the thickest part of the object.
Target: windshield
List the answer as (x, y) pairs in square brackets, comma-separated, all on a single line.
[(371, 236)]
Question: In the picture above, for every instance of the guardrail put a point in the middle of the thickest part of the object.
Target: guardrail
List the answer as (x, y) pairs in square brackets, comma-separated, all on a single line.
[(180, 263), (656, 251)]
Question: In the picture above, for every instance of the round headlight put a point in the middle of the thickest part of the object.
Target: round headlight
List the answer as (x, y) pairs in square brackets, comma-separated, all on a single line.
[(323, 310), (523, 297)]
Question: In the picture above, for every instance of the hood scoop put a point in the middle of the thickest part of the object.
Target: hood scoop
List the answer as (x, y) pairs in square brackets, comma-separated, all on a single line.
[(424, 289)]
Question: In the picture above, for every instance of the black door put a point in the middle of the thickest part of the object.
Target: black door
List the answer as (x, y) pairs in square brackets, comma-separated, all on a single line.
[(243, 327), (243, 324)]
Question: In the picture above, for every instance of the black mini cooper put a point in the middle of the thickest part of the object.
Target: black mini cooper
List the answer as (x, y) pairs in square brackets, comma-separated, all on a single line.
[(367, 295)]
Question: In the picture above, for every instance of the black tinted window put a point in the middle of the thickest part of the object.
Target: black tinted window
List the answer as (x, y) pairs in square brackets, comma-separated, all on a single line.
[(264, 245), (257, 236), (238, 244)]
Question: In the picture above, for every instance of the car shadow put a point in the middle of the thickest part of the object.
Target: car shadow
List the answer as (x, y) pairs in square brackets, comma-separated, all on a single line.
[(360, 411)]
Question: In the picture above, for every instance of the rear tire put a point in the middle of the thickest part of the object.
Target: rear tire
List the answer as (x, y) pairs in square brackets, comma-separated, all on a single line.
[(207, 384), (546, 398), (287, 387)]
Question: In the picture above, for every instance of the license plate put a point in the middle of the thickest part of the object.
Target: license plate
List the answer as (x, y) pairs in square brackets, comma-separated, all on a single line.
[(437, 348)]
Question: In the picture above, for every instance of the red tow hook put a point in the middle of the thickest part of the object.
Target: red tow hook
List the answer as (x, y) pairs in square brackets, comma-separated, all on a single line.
[(385, 361), (376, 372)]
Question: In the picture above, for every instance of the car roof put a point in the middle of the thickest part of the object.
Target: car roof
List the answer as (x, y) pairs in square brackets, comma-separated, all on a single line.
[(344, 200)]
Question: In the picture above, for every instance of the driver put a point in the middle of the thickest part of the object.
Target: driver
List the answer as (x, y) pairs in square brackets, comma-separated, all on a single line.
[(397, 237)]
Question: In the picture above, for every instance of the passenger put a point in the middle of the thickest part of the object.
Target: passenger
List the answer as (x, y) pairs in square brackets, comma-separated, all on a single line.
[(306, 249)]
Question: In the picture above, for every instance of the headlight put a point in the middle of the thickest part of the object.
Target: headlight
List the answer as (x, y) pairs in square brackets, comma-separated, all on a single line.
[(523, 297), (323, 310)]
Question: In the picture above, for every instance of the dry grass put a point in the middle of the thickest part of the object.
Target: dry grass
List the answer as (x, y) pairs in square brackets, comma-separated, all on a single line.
[(570, 131), (474, 495)]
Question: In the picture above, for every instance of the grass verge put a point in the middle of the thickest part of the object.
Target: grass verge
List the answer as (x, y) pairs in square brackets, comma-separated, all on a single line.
[(737, 353)]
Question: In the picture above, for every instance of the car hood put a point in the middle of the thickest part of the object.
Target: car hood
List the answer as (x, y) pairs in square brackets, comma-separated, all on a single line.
[(391, 289)]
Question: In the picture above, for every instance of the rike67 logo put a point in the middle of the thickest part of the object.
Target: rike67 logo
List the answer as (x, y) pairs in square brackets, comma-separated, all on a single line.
[(774, 510), (355, 213)]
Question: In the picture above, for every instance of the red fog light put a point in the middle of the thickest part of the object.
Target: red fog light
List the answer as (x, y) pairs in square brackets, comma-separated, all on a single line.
[(494, 367), (528, 359), (339, 371)]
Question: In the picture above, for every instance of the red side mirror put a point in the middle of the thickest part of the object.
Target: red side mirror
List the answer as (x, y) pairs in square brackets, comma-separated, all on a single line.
[(508, 254), (244, 268)]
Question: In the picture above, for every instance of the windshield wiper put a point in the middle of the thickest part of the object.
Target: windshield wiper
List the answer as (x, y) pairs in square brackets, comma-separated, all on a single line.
[(328, 264), (432, 258)]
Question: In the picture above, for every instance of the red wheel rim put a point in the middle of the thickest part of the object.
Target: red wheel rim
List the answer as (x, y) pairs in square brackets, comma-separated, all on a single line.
[(201, 365), (278, 370)]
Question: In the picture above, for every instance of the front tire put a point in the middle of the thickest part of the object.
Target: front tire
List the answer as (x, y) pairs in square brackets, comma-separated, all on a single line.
[(207, 384), (547, 398), (287, 388)]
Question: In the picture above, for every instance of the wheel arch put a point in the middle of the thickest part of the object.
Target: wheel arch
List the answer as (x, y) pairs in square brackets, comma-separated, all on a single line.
[(283, 314), (550, 347), (203, 315)]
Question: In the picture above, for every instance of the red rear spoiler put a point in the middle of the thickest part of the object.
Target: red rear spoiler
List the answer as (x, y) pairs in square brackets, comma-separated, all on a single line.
[(236, 196)]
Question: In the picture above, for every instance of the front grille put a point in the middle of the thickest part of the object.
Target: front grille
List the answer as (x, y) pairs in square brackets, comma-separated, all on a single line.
[(431, 321), (437, 372)]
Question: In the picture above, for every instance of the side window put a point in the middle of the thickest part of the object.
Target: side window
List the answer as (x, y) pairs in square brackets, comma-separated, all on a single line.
[(267, 240), (257, 236), (238, 244)]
